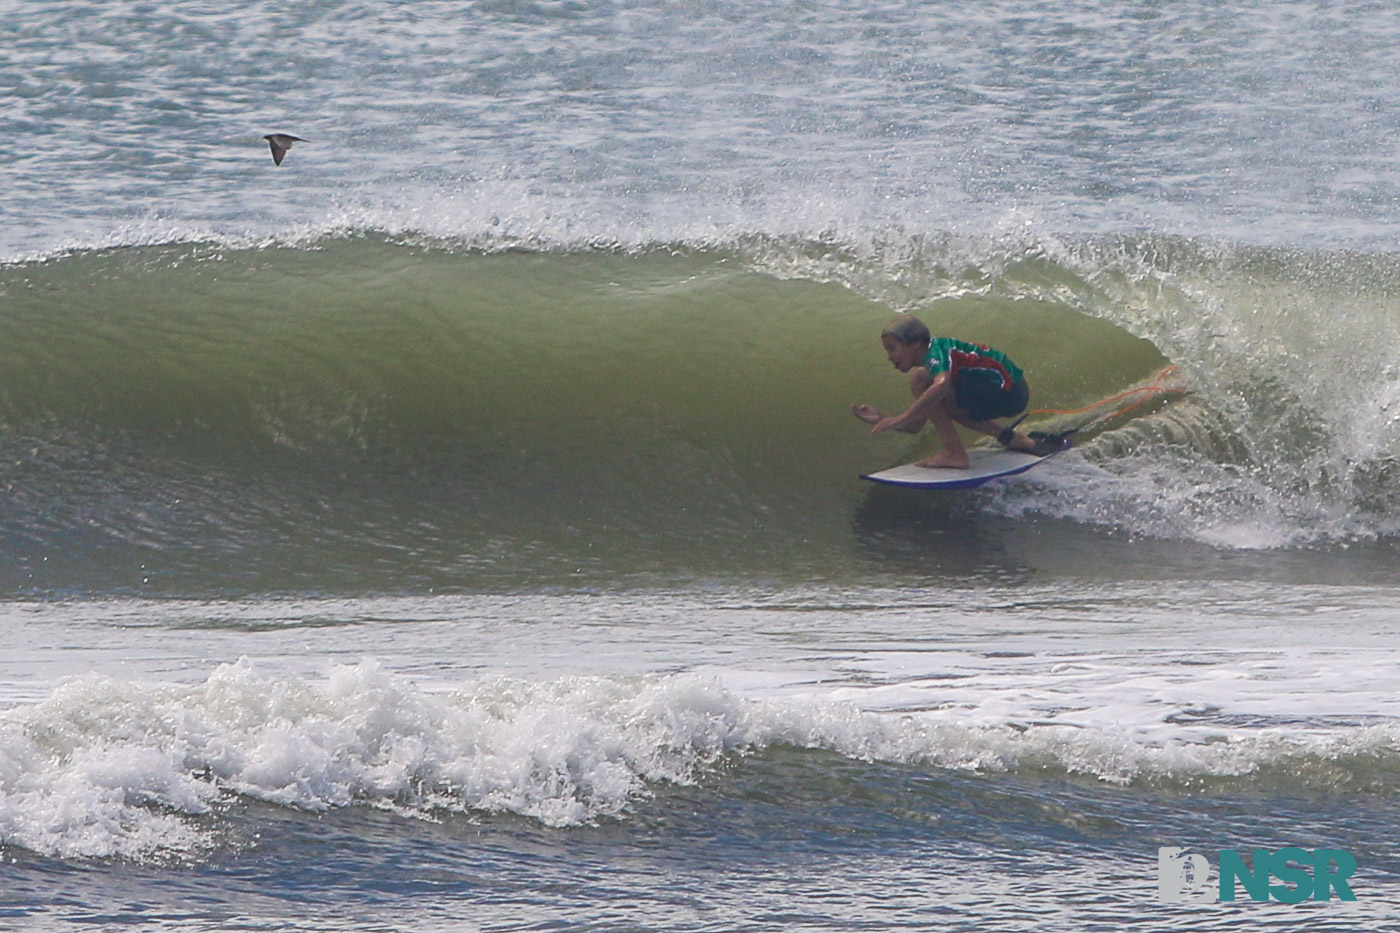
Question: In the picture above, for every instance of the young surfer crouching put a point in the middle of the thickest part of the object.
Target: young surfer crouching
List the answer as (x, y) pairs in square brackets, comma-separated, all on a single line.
[(954, 382)]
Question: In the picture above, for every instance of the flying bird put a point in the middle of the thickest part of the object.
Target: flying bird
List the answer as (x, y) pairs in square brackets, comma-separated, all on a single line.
[(280, 143)]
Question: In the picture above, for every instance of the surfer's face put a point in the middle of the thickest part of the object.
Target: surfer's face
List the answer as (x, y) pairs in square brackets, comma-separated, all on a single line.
[(903, 356)]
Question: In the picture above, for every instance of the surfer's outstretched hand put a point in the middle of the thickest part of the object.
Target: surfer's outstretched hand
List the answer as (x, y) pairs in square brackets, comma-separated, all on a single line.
[(867, 413)]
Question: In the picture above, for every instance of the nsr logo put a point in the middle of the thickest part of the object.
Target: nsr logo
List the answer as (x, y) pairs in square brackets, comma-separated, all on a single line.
[(1185, 878)]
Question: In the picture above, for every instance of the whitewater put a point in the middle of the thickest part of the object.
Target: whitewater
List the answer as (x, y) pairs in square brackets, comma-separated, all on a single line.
[(459, 525)]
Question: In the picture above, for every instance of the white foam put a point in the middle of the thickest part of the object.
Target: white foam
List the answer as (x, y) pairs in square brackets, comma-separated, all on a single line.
[(108, 768)]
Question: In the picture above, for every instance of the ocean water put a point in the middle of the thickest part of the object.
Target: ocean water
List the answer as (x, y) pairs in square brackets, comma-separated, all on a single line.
[(459, 526)]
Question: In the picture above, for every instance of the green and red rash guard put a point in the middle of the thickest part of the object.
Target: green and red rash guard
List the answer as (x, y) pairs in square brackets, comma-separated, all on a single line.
[(958, 356)]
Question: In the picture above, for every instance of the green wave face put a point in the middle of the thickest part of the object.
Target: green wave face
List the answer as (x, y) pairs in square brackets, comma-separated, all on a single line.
[(370, 413)]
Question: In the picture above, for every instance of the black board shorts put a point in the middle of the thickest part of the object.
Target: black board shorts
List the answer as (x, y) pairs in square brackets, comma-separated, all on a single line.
[(979, 393)]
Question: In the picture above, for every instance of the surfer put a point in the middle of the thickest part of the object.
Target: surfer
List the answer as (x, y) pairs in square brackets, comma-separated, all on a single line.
[(954, 382)]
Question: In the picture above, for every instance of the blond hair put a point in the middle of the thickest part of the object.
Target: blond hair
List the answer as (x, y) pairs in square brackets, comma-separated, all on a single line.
[(908, 329)]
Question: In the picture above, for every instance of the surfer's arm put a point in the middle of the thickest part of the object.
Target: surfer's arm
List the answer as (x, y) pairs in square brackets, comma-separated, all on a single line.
[(933, 395)]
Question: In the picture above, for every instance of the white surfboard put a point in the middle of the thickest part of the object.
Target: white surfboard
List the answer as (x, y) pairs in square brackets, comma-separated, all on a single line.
[(987, 463)]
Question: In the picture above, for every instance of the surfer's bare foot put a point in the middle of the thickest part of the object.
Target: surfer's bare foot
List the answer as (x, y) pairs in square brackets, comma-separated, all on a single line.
[(945, 459), (867, 413)]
